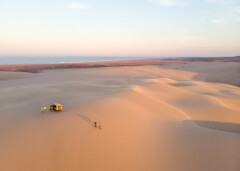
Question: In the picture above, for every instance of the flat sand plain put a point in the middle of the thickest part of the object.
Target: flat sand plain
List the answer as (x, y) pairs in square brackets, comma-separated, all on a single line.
[(152, 119)]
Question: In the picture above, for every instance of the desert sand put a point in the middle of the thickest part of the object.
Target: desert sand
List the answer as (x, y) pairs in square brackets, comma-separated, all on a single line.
[(221, 72), (152, 119)]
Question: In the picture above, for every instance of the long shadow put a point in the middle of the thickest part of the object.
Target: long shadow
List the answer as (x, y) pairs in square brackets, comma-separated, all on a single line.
[(220, 126), (88, 120)]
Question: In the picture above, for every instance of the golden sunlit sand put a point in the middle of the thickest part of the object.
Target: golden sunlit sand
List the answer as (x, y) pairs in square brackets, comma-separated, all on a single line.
[(152, 119)]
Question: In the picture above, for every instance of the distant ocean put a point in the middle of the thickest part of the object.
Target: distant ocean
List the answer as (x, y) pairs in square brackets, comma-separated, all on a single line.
[(55, 60)]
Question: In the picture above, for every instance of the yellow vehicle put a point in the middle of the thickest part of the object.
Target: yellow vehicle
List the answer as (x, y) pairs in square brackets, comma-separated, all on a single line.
[(56, 107)]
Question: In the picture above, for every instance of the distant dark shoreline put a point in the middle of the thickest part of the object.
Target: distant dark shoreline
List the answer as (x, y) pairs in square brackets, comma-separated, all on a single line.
[(61, 60), (67, 60), (33, 68), (205, 59), (38, 67)]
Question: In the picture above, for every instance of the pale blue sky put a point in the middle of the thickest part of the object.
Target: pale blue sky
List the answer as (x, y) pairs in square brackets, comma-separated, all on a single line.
[(120, 28)]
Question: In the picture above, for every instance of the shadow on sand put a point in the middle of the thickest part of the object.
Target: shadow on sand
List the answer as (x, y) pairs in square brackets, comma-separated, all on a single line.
[(220, 126), (89, 121)]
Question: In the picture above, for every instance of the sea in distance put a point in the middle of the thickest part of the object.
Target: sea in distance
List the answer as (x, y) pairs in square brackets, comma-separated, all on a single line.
[(55, 60)]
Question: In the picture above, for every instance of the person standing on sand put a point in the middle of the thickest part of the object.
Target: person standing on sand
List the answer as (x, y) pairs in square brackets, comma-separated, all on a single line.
[(95, 124), (45, 109)]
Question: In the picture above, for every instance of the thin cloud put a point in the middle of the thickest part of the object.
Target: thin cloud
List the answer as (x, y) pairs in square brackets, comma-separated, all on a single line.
[(169, 3), (185, 39), (233, 15), (218, 21), (236, 19), (222, 1), (235, 10), (166, 3), (77, 6), (236, 13), (192, 38)]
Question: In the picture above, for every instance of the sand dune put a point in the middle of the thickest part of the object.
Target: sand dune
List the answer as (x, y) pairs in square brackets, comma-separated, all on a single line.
[(152, 119), (221, 72)]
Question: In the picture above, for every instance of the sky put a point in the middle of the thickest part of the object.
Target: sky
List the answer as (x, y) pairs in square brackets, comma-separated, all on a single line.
[(145, 28)]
